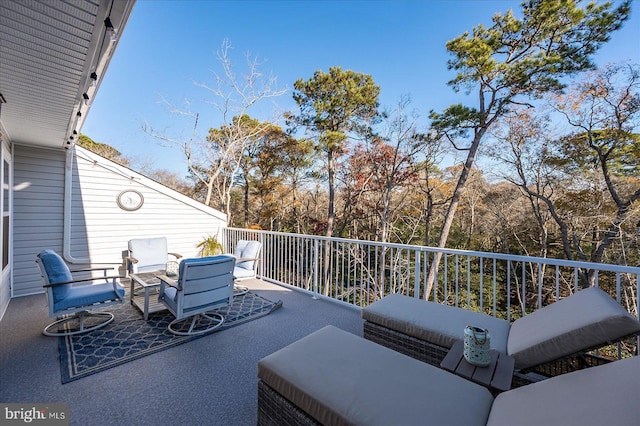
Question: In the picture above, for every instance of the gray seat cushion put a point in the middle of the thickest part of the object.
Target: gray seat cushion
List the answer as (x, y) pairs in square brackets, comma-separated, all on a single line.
[(341, 379), (439, 324), (582, 321), (604, 395)]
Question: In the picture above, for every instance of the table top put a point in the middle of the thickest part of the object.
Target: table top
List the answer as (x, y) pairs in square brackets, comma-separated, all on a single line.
[(497, 375), (147, 279)]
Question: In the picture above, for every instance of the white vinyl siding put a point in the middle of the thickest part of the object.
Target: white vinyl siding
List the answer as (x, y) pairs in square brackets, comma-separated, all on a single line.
[(99, 228), (38, 206)]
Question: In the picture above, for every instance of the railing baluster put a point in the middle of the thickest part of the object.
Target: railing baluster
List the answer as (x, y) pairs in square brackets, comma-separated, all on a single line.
[(435, 278), (360, 256), (524, 289), (457, 283), (637, 309), (495, 294), (508, 290), (557, 282), (481, 282), (392, 271), (446, 278), (540, 281), (315, 269), (468, 282), (416, 275)]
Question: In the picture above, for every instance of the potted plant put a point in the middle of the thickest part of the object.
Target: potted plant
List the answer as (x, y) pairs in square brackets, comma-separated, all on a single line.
[(210, 246)]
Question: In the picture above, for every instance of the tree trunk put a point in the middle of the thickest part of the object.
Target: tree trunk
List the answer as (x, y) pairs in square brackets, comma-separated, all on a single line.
[(295, 210), (330, 221), (451, 211), (427, 220), (207, 200), (246, 201), (331, 215)]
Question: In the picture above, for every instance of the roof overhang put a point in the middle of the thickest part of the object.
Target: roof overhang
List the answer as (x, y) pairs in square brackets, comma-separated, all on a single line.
[(54, 55)]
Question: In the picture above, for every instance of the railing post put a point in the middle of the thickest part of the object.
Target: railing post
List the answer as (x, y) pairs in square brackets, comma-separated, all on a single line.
[(262, 262)]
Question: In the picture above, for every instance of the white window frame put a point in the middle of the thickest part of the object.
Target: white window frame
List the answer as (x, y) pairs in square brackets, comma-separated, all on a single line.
[(6, 160)]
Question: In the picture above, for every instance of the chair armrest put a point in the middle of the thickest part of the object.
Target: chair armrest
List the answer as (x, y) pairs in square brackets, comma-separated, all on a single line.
[(176, 255), (108, 277), (246, 259), (105, 268), (132, 259), (169, 281)]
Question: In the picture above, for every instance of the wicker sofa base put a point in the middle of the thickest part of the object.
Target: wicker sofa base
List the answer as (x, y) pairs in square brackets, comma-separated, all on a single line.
[(568, 364), (415, 348), (275, 410)]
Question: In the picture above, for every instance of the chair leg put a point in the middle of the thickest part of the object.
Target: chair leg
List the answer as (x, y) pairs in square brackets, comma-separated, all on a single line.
[(217, 319), (239, 290), (81, 317)]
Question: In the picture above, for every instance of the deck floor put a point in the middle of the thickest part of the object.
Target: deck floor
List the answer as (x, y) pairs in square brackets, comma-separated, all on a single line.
[(210, 381)]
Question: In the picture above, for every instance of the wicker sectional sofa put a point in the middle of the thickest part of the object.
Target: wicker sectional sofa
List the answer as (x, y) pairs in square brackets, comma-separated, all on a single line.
[(332, 377), (550, 341)]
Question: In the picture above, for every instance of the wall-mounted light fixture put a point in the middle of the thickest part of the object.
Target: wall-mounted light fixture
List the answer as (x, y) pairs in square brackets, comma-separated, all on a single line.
[(111, 31), (2, 101)]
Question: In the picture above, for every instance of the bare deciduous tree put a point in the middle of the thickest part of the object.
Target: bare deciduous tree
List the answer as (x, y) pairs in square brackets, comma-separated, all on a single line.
[(215, 160)]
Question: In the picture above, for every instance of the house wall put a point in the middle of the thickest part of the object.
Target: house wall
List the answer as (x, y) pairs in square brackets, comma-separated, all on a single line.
[(38, 202), (97, 228)]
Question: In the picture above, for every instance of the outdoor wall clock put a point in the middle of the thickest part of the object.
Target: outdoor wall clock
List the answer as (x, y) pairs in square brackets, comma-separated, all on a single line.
[(130, 200)]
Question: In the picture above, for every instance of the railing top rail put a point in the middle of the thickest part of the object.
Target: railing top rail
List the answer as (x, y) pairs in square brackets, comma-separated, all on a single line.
[(635, 270)]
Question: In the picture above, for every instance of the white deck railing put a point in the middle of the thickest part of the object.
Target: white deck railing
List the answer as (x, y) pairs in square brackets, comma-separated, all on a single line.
[(360, 272), (356, 273)]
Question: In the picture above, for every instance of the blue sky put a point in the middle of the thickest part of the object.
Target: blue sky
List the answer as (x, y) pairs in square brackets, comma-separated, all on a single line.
[(167, 46)]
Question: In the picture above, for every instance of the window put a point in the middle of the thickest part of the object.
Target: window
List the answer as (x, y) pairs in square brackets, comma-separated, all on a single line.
[(5, 214)]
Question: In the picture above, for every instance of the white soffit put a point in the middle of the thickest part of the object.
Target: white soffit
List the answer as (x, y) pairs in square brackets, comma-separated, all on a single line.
[(48, 51)]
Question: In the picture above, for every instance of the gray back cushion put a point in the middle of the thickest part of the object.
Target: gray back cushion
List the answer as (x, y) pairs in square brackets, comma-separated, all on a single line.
[(151, 253), (582, 321), (604, 395), (247, 250)]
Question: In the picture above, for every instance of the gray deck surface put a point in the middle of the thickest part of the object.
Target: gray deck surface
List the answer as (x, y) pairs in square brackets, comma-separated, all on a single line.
[(209, 381)]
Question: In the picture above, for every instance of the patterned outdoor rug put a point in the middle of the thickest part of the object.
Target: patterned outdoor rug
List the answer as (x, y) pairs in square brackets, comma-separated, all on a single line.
[(130, 337)]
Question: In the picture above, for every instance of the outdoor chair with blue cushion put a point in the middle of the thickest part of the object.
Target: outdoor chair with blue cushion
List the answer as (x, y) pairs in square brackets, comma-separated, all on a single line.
[(203, 284), (72, 302), (247, 254), (148, 255)]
